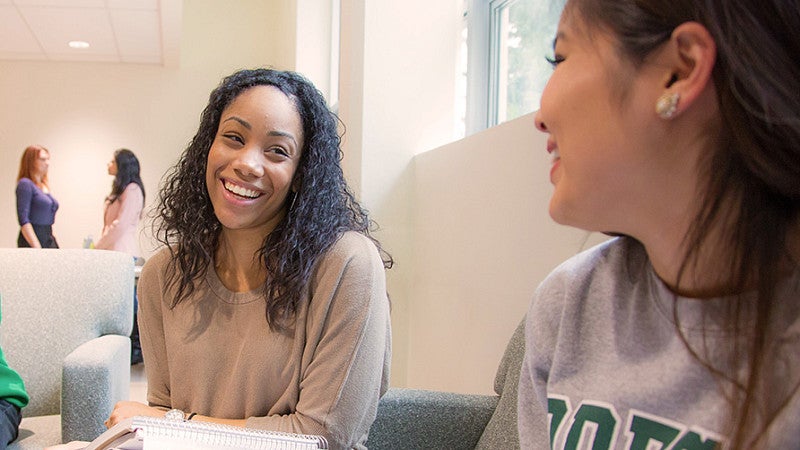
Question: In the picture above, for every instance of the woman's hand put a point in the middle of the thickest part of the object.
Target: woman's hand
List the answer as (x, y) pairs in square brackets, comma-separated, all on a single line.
[(30, 236), (123, 410)]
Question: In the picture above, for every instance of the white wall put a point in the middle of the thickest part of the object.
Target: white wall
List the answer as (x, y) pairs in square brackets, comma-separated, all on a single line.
[(483, 241), (312, 50), (83, 112), (397, 96)]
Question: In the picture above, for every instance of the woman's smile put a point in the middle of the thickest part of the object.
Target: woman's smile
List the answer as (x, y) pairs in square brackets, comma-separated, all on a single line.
[(241, 191), (555, 160)]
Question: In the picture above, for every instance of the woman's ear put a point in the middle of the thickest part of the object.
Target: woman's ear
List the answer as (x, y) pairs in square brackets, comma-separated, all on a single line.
[(691, 57)]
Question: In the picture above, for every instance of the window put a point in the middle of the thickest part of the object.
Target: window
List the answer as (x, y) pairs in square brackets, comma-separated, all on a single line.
[(506, 70)]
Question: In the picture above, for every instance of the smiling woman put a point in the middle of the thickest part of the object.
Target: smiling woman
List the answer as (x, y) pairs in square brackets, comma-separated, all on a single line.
[(267, 307), (252, 162), (670, 128)]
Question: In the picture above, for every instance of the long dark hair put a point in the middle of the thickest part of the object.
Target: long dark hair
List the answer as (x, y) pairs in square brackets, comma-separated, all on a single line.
[(127, 173), (753, 176), (317, 214)]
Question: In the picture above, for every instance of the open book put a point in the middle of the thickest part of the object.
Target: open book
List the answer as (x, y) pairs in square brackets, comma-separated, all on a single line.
[(145, 433)]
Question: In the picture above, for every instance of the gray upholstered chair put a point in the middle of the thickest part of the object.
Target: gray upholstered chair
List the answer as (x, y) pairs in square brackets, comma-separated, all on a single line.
[(66, 318), (413, 419)]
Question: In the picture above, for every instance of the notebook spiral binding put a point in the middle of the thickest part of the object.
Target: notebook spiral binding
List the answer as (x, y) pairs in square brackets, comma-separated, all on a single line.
[(224, 435)]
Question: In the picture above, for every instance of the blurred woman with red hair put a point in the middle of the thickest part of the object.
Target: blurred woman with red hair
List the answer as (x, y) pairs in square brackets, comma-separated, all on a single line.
[(36, 206)]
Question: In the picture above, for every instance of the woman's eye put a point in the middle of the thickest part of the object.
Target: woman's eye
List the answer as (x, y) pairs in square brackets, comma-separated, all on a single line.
[(234, 137), (554, 60), (279, 151)]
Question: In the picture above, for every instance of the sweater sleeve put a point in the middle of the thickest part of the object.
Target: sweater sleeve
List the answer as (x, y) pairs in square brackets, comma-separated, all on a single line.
[(130, 207), (541, 333), (348, 348), (24, 198), (151, 329), (12, 388)]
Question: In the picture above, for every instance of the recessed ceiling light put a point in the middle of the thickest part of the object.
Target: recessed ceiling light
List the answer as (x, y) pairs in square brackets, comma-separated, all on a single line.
[(78, 44)]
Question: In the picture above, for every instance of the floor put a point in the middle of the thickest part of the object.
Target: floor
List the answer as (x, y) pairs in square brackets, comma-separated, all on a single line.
[(138, 384)]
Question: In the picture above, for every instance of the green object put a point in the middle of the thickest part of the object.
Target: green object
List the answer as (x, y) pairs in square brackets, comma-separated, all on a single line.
[(12, 388)]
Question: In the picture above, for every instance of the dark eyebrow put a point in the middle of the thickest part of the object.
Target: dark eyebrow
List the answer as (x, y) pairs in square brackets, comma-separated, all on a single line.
[(243, 122), (283, 134), (559, 35)]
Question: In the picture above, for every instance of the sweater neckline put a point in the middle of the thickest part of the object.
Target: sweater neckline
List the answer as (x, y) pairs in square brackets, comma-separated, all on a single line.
[(703, 313), (226, 295)]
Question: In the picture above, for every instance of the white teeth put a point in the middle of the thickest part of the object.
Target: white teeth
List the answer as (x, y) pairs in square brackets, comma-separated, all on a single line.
[(241, 191), (555, 155)]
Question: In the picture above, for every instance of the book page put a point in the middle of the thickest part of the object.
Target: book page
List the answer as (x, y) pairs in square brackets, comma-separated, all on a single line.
[(118, 437)]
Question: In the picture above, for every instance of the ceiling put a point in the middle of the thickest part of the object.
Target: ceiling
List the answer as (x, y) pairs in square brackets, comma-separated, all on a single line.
[(118, 31)]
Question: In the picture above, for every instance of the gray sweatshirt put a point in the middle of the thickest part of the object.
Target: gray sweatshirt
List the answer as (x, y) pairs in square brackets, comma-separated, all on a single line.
[(605, 367)]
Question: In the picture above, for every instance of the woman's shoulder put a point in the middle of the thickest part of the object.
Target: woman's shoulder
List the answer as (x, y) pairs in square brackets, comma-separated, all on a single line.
[(353, 239), (354, 250), (617, 257), (566, 287), (26, 182), (26, 187), (131, 190), (131, 187), (351, 268), (157, 262), (352, 244)]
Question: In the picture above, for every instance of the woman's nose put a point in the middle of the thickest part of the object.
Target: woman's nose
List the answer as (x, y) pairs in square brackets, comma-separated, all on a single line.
[(540, 122), (249, 163)]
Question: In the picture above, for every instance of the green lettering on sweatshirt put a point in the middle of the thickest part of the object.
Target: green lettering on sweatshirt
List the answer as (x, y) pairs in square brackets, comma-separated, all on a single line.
[(558, 409), (594, 425), (645, 430), (601, 419)]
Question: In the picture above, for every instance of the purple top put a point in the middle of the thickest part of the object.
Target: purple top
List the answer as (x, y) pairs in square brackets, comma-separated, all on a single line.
[(33, 205)]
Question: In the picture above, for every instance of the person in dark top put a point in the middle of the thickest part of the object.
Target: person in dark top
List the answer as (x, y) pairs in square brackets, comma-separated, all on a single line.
[(36, 206)]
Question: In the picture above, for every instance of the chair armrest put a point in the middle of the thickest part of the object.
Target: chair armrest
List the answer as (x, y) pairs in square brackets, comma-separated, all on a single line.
[(420, 419), (95, 377)]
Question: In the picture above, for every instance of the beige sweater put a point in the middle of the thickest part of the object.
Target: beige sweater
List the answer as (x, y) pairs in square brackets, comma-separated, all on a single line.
[(214, 354)]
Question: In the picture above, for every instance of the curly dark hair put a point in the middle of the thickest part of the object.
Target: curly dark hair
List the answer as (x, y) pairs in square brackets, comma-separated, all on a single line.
[(127, 173), (321, 209), (753, 175)]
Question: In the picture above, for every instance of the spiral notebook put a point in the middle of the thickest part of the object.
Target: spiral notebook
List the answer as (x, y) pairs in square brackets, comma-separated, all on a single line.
[(146, 433)]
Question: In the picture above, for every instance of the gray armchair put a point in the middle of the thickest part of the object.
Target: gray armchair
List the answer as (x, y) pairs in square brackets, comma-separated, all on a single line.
[(413, 419), (66, 318)]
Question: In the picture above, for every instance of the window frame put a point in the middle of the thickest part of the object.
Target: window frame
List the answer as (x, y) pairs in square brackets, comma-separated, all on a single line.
[(477, 117), (485, 54), (495, 18), (484, 25)]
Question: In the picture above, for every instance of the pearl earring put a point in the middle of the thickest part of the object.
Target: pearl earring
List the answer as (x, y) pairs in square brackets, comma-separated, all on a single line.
[(667, 104)]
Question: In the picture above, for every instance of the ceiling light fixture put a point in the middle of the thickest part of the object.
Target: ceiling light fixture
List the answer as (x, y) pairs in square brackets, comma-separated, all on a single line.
[(78, 44)]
